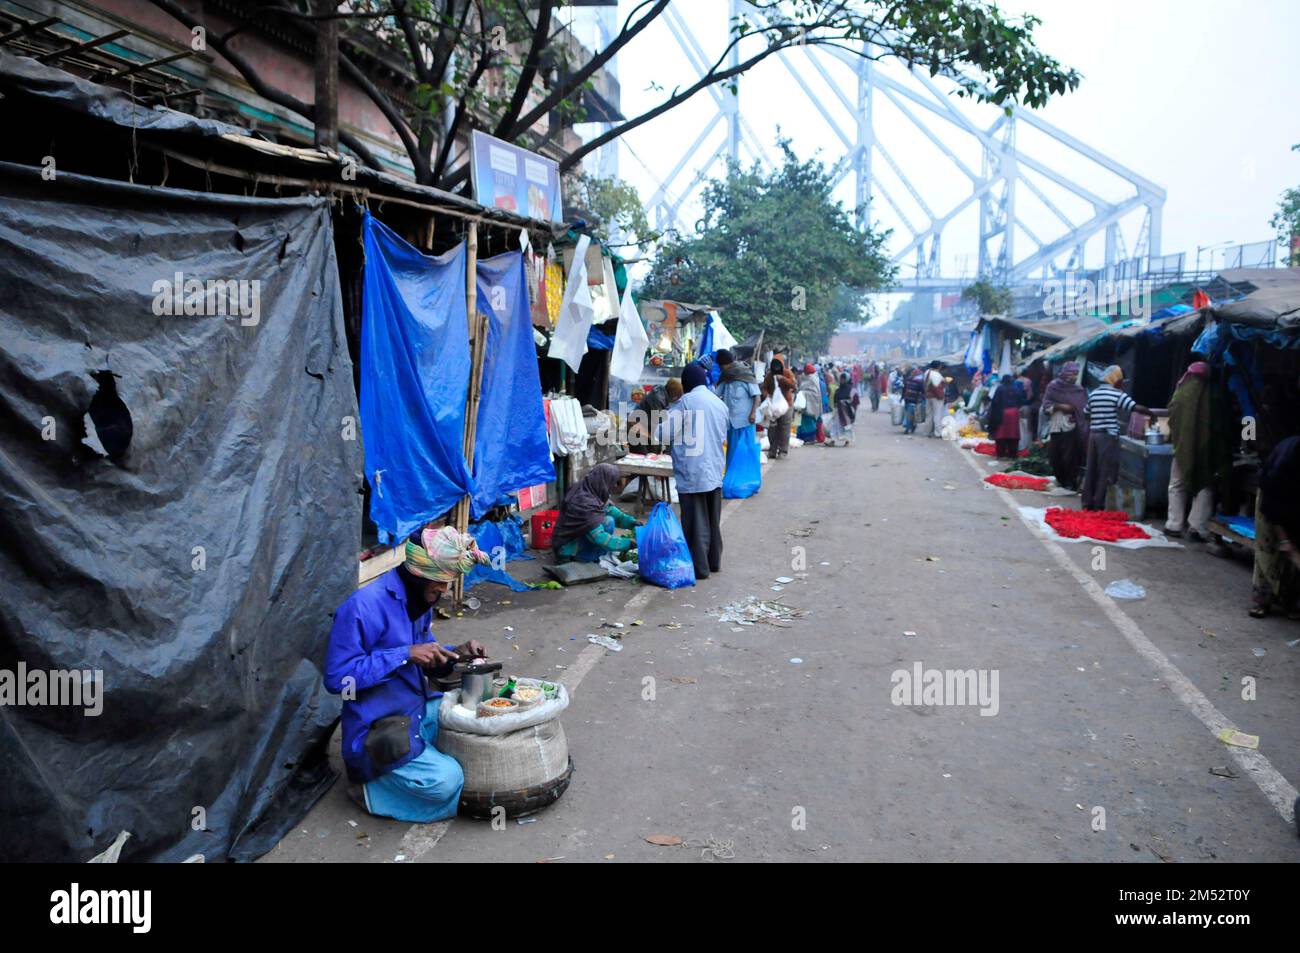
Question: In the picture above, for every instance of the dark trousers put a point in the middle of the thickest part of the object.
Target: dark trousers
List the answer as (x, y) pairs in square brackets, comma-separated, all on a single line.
[(778, 434), (1103, 469), (701, 522), (1065, 452)]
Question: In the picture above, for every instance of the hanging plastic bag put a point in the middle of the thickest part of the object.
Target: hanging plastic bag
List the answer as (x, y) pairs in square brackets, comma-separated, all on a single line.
[(663, 557), (744, 469)]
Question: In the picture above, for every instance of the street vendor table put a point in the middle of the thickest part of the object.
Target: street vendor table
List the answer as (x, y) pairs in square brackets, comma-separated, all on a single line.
[(657, 466)]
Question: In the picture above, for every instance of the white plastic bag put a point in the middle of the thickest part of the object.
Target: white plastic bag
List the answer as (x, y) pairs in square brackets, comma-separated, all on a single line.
[(800, 402), (452, 714), (780, 406)]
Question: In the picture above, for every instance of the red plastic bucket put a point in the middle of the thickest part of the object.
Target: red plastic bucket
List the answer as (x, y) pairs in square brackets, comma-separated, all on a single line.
[(543, 526)]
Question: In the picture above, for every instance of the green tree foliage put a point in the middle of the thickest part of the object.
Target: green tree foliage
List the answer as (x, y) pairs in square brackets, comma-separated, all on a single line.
[(1287, 221), (990, 299), (611, 207), (771, 250)]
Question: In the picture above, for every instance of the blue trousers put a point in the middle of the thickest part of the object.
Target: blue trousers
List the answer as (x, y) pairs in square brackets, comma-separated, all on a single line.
[(423, 790), (909, 416)]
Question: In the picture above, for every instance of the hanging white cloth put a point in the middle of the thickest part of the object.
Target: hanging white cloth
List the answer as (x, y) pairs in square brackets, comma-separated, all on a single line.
[(722, 338), (630, 342), (1006, 368), (569, 342)]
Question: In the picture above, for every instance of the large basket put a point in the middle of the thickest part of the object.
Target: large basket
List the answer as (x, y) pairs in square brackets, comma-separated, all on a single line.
[(519, 802)]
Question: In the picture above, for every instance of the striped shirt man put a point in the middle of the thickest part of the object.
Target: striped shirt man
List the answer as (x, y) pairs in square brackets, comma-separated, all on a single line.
[(1104, 406)]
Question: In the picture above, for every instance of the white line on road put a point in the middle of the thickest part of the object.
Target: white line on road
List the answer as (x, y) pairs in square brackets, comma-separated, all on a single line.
[(1279, 791)]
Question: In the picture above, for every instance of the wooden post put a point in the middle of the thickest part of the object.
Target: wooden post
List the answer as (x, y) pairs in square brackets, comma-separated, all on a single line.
[(477, 348), (326, 109)]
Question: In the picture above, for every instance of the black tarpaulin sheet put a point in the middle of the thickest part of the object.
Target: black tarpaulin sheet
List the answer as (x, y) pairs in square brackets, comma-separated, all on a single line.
[(57, 88), (198, 566)]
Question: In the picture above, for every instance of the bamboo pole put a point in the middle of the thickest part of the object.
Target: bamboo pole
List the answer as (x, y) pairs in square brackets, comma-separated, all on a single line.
[(477, 349)]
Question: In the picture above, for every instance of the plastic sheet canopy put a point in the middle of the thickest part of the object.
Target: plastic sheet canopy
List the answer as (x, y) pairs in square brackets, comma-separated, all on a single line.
[(511, 448), (185, 548), (414, 376)]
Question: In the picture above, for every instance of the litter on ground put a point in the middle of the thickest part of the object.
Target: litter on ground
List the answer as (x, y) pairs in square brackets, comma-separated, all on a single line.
[(748, 612)]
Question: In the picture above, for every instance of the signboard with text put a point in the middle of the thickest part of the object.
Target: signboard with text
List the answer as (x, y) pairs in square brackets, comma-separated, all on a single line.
[(508, 177)]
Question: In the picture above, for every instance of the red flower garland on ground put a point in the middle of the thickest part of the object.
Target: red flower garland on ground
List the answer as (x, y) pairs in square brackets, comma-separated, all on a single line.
[(1010, 481), (990, 449), (1108, 526)]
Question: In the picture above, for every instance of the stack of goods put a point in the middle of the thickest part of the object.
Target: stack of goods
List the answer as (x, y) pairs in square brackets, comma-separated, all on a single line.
[(1035, 460), (1015, 481), (1107, 526), (565, 426), (990, 449), (971, 429)]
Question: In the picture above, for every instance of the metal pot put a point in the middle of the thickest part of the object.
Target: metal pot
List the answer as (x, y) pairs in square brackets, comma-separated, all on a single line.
[(476, 681), (1154, 438)]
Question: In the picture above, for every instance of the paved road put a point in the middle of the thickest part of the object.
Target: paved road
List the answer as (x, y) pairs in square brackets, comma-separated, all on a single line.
[(1105, 710)]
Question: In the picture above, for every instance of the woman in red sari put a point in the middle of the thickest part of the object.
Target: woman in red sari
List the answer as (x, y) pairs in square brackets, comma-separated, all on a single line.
[(1004, 419)]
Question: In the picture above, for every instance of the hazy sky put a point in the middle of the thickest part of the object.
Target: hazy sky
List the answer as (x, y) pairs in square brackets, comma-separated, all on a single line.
[(1198, 97)]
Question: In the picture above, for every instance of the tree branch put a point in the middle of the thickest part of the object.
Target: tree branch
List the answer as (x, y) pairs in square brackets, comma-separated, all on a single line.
[(529, 73), (586, 72)]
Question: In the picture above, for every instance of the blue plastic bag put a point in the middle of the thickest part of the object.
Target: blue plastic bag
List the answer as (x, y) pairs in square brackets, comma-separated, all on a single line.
[(661, 551), (744, 467)]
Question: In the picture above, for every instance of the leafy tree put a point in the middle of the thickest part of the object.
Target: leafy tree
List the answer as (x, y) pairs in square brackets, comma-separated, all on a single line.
[(989, 299), (771, 250), (510, 68), (1287, 222), (611, 207)]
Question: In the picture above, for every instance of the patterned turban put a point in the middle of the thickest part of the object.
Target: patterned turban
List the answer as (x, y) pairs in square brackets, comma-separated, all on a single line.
[(446, 554)]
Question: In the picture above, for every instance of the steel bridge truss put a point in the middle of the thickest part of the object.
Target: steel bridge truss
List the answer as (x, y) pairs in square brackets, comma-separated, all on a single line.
[(1011, 251)]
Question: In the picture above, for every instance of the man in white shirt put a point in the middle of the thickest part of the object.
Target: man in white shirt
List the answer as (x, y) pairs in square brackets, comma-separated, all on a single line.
[(935, 386)]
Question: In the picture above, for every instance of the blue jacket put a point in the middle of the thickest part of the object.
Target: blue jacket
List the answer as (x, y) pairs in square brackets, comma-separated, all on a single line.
[(694, 430), (369, 658)]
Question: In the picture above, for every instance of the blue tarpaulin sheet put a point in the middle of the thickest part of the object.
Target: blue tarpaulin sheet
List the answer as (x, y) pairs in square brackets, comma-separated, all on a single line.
[(1241, 525), (511, 449), (503, 542), (414, 376)]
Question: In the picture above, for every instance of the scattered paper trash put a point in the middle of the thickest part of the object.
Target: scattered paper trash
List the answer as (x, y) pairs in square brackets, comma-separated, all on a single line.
[(784, 580), (1223, 771), (796, 661), (614, 645), (1258, 653), (1125, 589), (747, 612), (1238, 739), (908, 632), (526, 820)]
